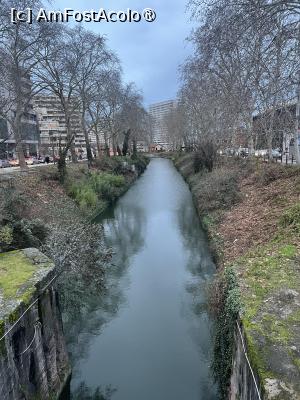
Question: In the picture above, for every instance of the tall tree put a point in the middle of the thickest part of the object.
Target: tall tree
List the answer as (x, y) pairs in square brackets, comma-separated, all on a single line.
[(60, 76), (94, 58), (19, 49)]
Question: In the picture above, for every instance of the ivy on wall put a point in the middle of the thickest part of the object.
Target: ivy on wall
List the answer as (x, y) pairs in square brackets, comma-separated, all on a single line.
[(226, 305)]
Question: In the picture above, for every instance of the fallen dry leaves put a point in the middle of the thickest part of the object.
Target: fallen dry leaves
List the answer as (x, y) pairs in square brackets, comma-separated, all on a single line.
[(254, 220)]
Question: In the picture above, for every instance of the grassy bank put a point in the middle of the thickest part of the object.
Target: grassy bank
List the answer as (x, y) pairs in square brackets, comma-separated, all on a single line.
[(31, 204), (252, 214), (96, 189)]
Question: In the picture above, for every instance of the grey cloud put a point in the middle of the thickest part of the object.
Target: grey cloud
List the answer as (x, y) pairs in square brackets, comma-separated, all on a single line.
[(150, 52)]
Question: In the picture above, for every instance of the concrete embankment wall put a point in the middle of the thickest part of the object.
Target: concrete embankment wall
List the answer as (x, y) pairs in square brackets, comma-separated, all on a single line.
[(242, 384), (34, 362)]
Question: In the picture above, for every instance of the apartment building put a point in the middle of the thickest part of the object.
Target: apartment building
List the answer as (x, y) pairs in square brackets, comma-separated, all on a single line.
[(52, 125), (283, 134), (158, 113), (29, 127)]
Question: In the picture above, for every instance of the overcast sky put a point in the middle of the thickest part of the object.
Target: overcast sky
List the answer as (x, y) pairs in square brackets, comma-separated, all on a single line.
[(150, 53)]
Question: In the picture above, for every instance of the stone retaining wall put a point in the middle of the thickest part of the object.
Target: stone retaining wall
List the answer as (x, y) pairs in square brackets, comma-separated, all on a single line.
[(34, 363)]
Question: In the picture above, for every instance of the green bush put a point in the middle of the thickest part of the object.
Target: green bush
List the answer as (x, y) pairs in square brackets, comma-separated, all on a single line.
[(6, 237), (291, 218), (28, 233), (97, 190), (109, 164), (140, 163), (87, 198), (84, 195), (107, 186)]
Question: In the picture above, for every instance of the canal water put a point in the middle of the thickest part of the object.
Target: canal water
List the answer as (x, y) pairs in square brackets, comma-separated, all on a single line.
[(149, 336)]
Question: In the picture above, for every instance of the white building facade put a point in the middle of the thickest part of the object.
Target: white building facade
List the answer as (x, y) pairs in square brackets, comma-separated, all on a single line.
[(52, 125), (158, 113), (29, 128)]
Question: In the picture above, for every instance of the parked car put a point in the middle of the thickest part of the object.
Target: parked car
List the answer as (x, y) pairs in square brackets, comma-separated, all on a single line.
[(29, 161), (242, 152), (261, 153), (4, 164), (230, 151), (35, 160), (14, 162), (276, 153)]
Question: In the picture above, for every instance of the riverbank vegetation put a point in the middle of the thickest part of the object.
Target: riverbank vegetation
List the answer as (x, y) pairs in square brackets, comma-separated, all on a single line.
[(36, 210), (32, 203), (98, 189), (251, 213)]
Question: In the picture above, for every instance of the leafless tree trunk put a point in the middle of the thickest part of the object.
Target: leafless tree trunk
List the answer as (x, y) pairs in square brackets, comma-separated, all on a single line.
[(297, 124)]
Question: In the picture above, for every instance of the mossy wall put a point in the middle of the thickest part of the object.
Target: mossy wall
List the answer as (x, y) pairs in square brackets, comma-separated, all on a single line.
[(34, 362)]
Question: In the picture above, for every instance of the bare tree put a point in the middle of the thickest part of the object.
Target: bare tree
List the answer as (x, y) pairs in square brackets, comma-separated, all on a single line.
[(132, 119), (19, 48), (174, 123), (59, 73), (100, 106), (110, 101), (94, 58), (246, 62)]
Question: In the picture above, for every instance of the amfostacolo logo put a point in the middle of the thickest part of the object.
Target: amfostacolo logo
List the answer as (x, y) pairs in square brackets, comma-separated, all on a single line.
[(28, 15)]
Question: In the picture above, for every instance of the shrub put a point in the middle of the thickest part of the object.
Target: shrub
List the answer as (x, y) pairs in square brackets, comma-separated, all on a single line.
[(6, 237), (107, 186), (216, 190), (14, 205), (28, 233), (97, 190), (84, 195), (48, 174), (185, 164), (205, 156), (140, 162), (291, 218), (87, 198), (270, 172), (105, 163)]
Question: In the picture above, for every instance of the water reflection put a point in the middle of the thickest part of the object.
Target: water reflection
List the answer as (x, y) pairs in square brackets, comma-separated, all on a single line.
[(201, 267), (98, 305), (124, 232), (147, 336), (83, 392)]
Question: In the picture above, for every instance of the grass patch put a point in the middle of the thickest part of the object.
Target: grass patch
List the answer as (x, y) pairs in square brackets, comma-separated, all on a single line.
[(97, 190), (15, 270), (263, 271), (263, 274), (291, 218)]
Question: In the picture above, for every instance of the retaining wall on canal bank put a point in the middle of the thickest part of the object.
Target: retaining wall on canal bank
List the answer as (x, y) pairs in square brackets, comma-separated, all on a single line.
[(244, 384), (34, 363)]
